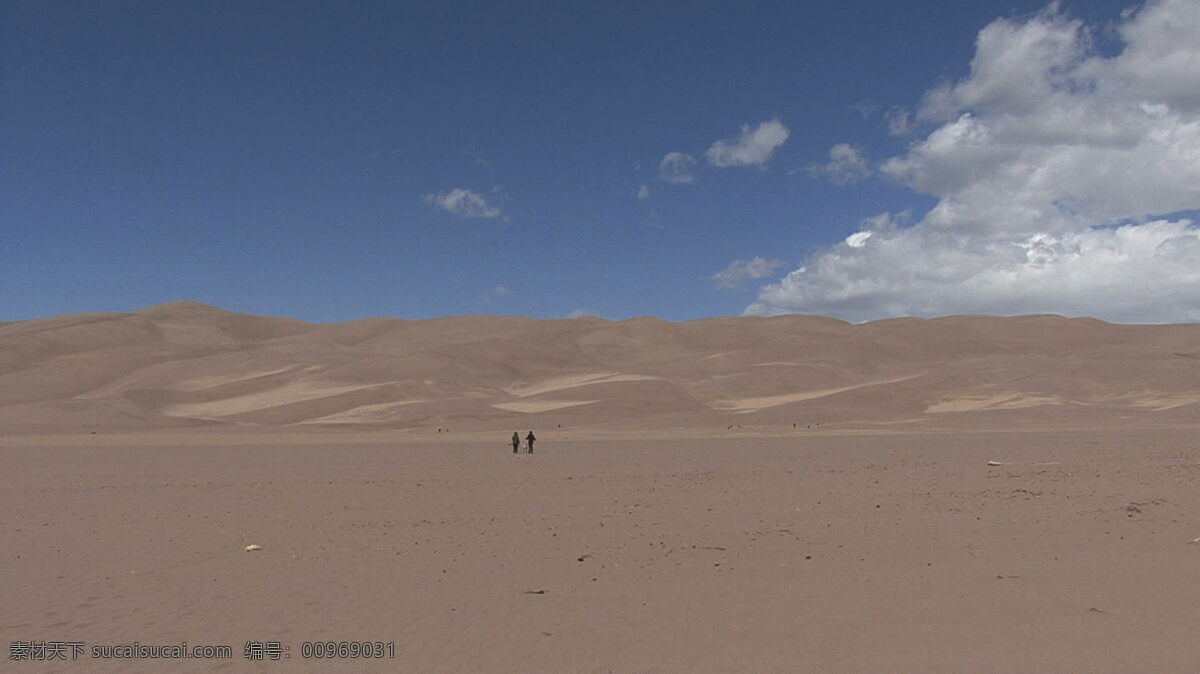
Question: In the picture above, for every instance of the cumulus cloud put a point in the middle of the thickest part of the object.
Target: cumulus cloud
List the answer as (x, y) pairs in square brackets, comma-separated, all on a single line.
[(1132, 273), (1044, 159), (750, 147), (464, 203), (676, 167), (583, 313), (501, 291), (740, 270), (643, 193), (846, 165)]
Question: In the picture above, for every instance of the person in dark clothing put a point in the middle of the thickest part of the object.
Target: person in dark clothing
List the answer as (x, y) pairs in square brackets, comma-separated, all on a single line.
[(516, 442), (529, 438)]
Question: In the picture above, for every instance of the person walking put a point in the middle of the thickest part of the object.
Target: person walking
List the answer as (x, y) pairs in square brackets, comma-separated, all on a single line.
[(529, 439), (516, 442)]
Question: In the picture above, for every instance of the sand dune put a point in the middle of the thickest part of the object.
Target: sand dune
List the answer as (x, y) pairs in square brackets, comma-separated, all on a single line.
[(211, 381), (727, 495), (542, 406), (192, 364), (1004, 401), (573, 381), (277, 396), (744, 405)]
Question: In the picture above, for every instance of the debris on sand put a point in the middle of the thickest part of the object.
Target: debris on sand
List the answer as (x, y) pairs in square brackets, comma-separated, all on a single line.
[(534, 592), (998, 463), (252, 547), (1193, 541)]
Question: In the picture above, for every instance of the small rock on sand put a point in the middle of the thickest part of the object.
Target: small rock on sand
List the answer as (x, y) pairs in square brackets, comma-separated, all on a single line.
[(252, 547)]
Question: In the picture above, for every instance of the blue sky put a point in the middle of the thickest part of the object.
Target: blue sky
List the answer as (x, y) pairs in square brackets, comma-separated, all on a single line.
[(338, 160)]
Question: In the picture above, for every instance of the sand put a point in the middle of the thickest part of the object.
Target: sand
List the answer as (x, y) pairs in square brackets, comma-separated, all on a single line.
[(189, 365), (745, 405), (790, 494), (541, 406), (810, 552)]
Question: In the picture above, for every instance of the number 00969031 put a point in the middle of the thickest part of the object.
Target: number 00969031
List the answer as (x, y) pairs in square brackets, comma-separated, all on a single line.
[(348, 649)]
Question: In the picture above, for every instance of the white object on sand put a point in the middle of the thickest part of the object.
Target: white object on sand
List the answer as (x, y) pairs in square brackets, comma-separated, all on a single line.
[(252, 547), (996, 463), (1194, 540)]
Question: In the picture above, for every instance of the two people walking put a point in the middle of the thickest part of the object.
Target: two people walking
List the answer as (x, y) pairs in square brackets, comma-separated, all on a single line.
[(516, 440)]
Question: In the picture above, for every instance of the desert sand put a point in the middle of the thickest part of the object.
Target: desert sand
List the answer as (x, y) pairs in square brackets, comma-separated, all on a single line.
[(188, 365), (959, 494)]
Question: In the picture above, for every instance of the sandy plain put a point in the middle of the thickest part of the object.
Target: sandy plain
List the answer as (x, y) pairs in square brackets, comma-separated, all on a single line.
[(739, 551), (782, 494)]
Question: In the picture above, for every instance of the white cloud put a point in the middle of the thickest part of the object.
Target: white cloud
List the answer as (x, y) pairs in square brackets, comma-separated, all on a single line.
[(582, 313), (494, 293), (846, 165), (463, 203), (1134, 273), (750, 147), (1041, 151), (676, 167), (899, 121), (643, 193), (740, 270), (858, 239), (474, 157), (865, 108)]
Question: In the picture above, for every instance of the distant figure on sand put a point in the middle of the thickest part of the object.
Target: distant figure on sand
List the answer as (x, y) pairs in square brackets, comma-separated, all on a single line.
[(529, 439), (516, 442)]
